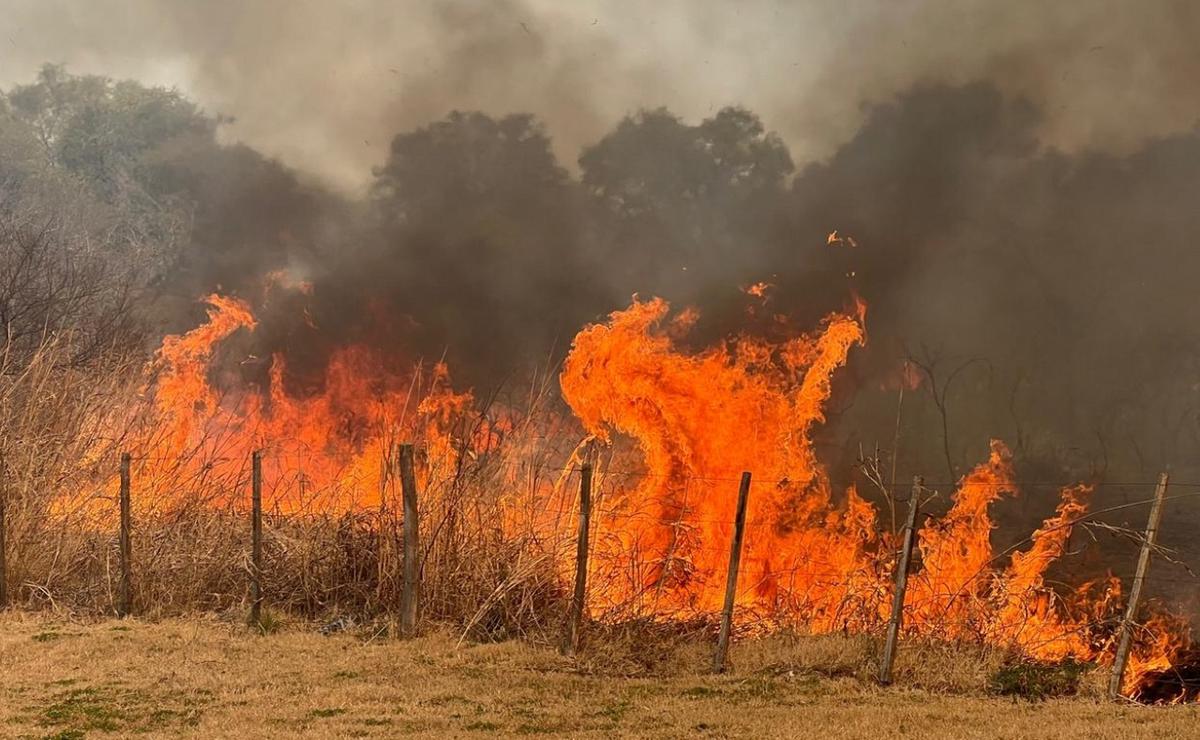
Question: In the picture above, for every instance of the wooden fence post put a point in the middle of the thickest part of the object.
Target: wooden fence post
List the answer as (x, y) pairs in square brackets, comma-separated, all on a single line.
[(901, 586), (3, 544), (126, 547), (256, 593), (575, 618), (409, 595), (735, 557), (1125, 641)]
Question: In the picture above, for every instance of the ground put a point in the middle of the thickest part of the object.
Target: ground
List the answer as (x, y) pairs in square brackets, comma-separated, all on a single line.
[(208, 678)]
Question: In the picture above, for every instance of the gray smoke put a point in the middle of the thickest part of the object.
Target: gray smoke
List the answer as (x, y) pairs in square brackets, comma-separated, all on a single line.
[(1019, 178), (324, 85)]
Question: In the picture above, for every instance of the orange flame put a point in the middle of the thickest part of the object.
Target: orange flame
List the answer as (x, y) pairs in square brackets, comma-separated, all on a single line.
[(758, 290), (706, 417), (700, 419), (814, 554), (326, 450)]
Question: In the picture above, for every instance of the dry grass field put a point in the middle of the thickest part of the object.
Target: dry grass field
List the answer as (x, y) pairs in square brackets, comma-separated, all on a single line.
[(211, 678)]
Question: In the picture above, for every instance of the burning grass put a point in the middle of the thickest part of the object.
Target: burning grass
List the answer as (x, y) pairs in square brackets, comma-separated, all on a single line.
[(667, 430)]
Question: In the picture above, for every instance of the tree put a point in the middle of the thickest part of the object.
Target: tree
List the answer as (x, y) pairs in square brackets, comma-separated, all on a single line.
[(139, 170), (481, 241), (94, 136), (687, 206), (59, 287), (100, 129)]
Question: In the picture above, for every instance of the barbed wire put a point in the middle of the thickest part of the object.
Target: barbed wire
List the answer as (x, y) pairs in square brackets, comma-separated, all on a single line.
[(604, 470), (803, 480), (313, 499)]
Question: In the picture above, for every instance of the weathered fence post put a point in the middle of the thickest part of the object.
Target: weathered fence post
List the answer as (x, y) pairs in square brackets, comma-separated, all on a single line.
[(901, 586), (735, 557), (256, 594), (1125, 641), (125, 545), (575, 618), (409, 595), (3, 544)]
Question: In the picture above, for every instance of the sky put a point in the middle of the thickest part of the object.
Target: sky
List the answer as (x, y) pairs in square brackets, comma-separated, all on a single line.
[(325, 85)]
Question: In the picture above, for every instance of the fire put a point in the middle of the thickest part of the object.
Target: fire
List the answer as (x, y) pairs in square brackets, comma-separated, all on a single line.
[(705, 417), (834, 239), (325, 450), (758, 290), (811, 556), (814, 554)]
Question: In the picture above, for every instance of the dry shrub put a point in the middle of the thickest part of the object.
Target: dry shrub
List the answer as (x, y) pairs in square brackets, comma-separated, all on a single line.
[(1093, 684), (491, 578), (53, 417), (477, 578), (318, 567)]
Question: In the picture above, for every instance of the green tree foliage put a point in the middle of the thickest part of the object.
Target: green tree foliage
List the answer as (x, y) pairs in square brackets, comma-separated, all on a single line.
[(141, 171), (102, 130), (78, 144)]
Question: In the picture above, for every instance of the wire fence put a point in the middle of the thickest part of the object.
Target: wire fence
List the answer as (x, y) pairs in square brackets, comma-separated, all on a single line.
[(660, 547)]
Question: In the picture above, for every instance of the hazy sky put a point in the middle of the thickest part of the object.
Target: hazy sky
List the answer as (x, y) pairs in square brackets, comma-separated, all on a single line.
[(324, 85)]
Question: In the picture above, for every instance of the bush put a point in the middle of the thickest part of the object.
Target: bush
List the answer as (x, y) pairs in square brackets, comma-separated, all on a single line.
[(1037, 681)]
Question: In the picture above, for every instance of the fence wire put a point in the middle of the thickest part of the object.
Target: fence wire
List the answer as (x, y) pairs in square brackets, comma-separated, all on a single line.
[(625, 579)]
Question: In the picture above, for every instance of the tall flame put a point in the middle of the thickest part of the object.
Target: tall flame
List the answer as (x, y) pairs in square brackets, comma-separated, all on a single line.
[(327, 449), (814, 553), (810, 556)]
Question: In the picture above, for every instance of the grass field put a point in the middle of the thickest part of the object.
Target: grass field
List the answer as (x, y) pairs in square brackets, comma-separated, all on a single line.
[(211, 678)]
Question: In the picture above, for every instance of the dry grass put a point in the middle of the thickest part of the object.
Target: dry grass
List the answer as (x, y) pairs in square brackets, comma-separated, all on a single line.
[(208, 678), (61, 430)]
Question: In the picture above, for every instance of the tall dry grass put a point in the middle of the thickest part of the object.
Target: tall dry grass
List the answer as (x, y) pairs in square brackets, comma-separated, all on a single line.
[(481, 571), (54, 420), (497, 519)]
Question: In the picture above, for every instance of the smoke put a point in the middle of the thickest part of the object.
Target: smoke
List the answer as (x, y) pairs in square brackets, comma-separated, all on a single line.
[(325, 86), (1057, 286), (1016, 176)]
